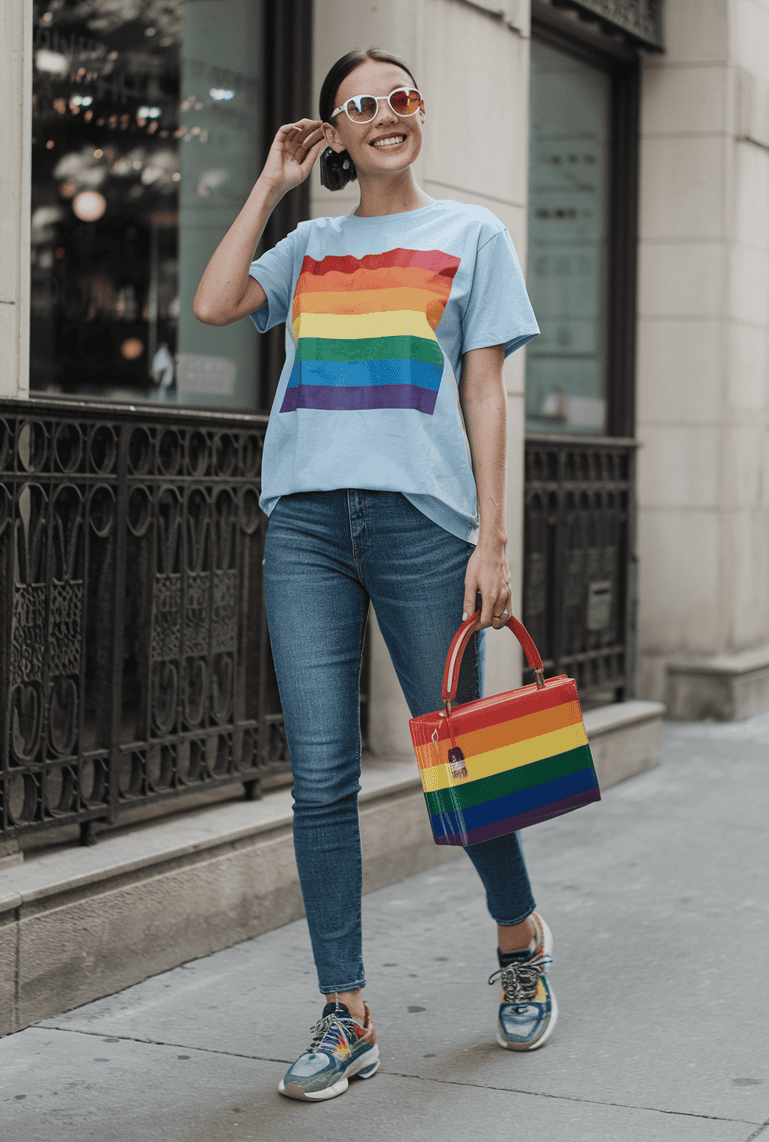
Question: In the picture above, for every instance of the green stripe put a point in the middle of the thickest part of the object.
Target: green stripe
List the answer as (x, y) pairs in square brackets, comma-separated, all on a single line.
[(511, 781), (341, 349)]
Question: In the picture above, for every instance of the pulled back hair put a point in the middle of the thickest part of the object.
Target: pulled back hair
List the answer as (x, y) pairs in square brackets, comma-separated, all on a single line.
[(336, 170)]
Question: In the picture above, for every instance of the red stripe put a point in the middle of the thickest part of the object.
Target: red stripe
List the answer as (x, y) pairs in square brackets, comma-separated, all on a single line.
[(391, 277), (492, 711), (434, 260)]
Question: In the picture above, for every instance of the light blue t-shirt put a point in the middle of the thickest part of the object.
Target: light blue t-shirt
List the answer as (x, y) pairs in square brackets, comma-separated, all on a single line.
[(378, 313)]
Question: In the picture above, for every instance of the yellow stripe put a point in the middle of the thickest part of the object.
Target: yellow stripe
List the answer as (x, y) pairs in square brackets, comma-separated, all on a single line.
[(496, 736), (508, 757), (400, 323)]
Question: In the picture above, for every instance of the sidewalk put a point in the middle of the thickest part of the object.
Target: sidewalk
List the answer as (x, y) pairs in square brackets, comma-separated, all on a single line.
[(658, 902)]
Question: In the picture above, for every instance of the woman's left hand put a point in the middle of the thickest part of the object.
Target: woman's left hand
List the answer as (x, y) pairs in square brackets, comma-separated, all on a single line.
[(488, 572)]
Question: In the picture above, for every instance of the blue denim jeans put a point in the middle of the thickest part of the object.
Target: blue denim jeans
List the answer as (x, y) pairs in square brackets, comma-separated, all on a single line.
[(327, 555)]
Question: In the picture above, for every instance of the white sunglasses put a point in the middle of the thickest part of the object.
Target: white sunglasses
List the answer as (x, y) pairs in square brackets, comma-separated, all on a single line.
[(404, 101)]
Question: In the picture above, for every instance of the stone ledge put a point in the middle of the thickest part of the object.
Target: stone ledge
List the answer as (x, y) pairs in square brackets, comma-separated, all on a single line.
[(620, 715), (149, 844), (724, 687), (624, 739), (80, 923)]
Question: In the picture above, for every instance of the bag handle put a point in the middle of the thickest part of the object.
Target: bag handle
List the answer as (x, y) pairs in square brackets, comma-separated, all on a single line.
[(459, 645)]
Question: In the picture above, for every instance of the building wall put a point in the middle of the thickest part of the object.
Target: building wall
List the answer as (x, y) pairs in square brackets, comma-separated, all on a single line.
[(703, 380), (469, 157), (703, 323), (15, 130)]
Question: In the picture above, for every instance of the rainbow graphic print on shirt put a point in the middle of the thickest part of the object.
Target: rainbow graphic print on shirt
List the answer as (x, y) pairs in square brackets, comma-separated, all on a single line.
[(364, 330)]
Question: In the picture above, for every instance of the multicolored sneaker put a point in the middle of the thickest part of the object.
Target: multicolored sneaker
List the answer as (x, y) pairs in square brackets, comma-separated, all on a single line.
[(340, 1048), (528, 1010)]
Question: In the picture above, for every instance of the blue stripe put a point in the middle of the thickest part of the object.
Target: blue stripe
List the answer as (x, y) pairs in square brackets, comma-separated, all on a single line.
[(463, 821), (354, 374)]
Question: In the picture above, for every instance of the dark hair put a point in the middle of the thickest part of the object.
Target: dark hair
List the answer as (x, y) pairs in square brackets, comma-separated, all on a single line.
[(336, 170)]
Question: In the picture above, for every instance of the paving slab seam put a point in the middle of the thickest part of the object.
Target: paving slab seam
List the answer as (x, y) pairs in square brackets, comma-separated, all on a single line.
[(405, 1075), (569, 1098), (756, 1133), (157, 1043)]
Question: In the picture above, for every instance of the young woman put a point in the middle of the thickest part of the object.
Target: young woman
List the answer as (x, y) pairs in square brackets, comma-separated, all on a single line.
[(383, 478)]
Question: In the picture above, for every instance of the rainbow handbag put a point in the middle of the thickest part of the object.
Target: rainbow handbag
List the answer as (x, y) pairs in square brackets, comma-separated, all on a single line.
[(498, 764)]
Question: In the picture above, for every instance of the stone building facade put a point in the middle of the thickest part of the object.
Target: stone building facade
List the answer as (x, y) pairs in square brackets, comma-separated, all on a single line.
[(695, 384)]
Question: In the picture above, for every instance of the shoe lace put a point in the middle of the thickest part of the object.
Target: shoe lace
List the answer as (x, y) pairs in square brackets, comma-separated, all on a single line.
[(520, 979), (331, 1031)]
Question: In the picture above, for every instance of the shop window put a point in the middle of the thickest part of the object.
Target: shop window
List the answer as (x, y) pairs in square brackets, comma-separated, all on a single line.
[(582, 227), (147, 137)]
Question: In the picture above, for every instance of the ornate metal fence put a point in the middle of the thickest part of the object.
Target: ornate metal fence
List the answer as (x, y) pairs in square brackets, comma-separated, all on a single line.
[(134, 656), (578, 593)]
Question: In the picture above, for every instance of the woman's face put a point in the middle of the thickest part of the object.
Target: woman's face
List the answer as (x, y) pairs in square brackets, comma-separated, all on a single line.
[(365, 142)]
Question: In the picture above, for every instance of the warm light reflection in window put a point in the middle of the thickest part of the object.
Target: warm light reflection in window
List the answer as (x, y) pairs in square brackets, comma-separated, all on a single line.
[(131, 349), (89, 205)]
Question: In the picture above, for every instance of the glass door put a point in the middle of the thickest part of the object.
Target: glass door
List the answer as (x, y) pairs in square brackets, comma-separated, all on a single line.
[(568, 262)]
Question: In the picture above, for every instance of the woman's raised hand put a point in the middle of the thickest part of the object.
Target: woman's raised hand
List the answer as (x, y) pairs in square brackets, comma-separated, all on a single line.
[(227, 292), (292, 154)]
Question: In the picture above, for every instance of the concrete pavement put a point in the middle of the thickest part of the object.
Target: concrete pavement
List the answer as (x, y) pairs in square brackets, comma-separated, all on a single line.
[(658, 902)]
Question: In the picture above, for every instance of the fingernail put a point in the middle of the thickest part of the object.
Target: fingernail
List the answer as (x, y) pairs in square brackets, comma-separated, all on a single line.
[(464, 617)]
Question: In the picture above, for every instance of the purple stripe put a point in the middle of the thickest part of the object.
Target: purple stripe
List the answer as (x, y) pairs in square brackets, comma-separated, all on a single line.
[(334, 398), (532, 817)]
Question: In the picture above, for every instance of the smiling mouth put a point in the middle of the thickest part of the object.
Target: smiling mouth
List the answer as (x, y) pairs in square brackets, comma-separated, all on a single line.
[(390, 141)]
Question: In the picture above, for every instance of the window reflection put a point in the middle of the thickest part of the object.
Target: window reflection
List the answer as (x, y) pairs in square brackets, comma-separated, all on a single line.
[(568, 206), (105, 179), (145, 124)]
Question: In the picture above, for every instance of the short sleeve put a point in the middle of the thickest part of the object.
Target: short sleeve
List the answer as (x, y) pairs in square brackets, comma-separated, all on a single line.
[(498, 310), (275, 273)]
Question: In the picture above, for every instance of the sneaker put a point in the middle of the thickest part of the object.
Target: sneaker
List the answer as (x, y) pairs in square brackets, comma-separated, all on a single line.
[(340, 1048), (528, 1012)]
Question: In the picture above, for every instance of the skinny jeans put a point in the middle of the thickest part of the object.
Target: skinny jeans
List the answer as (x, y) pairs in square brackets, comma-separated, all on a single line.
[(328, 556)]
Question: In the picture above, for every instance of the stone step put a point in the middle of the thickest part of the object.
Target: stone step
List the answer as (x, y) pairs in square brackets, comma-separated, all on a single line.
[(722, 687)]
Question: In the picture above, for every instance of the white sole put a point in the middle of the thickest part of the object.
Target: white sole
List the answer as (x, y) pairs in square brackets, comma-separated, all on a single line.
[(547, 937), (365, 1068)]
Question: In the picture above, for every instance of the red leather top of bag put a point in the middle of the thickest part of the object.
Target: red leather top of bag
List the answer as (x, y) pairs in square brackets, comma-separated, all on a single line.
[(493, 710)]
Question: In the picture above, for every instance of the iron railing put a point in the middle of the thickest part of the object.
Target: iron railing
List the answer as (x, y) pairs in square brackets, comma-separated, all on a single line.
[(134, 655), (578, 593)]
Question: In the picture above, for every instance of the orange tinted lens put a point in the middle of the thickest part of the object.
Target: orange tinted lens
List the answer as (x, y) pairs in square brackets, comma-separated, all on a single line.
[(405, 102), (361, 108)]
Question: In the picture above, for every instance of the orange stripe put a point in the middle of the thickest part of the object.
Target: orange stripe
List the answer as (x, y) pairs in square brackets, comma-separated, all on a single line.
[(366, 301), (389, 277), (506, 733)]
